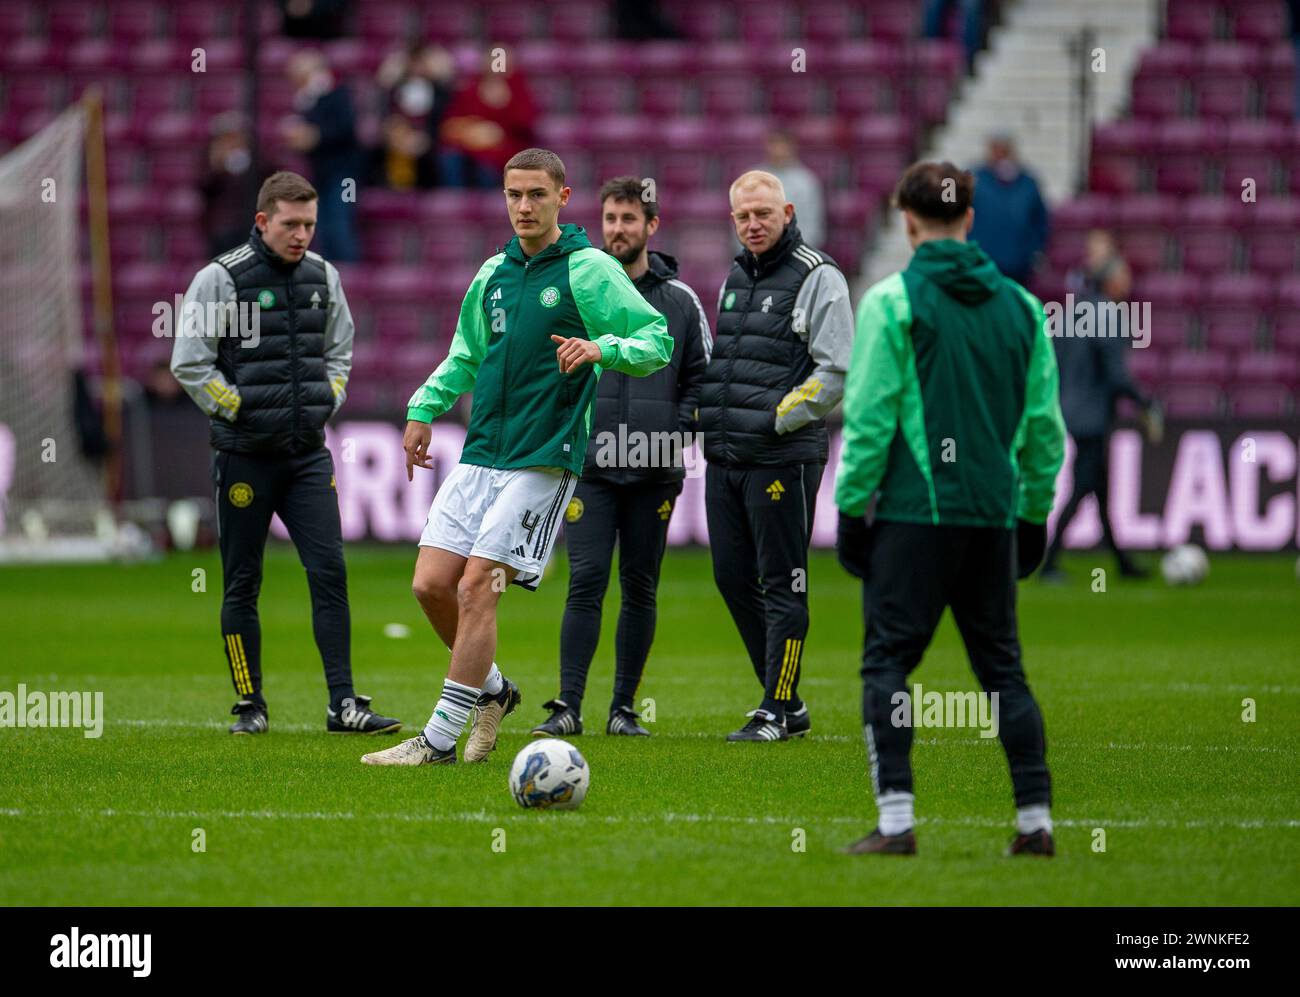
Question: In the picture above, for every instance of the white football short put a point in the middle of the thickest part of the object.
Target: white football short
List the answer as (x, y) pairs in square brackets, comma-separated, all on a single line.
[(510, 516)]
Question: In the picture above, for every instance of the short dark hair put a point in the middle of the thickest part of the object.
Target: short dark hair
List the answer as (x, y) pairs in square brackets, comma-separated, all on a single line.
[(538, 159), (630, 189), (939, 192), (284, 186)]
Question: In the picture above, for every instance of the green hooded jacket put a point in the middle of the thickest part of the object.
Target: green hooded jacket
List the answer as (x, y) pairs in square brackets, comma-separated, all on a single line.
[(950, 403), (525, 412)]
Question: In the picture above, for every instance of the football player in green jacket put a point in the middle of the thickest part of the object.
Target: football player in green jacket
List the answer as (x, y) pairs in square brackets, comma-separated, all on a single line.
[(952, 423), (540, 321)]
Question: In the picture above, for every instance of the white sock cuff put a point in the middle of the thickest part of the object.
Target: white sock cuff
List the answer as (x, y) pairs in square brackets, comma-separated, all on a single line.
[(1035, 817), (896, 814)]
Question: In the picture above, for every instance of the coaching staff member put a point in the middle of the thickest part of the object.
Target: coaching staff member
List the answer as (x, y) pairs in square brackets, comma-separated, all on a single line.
[(783, 339), (951, 412), (625, 498), (269, 389)]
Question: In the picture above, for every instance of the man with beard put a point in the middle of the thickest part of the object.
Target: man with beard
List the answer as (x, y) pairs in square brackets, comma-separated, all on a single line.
[(633, 474)]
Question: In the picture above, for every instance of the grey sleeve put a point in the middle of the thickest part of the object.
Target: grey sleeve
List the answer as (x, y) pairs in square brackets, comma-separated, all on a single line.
[(339, 333), (194, 345), (823, 316)]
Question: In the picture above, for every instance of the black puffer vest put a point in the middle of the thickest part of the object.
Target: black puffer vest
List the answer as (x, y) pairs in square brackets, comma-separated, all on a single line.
[(285, 395), (758, 359)]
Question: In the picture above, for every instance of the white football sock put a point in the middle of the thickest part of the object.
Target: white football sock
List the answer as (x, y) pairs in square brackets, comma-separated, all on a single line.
[(449, 716), (1036, 817), (895, 812), (493, 683)]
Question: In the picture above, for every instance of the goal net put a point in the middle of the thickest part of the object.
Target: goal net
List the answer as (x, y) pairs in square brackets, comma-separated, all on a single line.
[(51, 495)]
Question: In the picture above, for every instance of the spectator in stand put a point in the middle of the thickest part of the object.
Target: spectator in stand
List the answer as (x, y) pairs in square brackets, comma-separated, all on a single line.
[(1094, 376), (417, 83), (1293, 12), (642, 20), (802, 185), (489, 120), (313, 18), (1010, 216), (228, 183), (972, 19), (324, 129)]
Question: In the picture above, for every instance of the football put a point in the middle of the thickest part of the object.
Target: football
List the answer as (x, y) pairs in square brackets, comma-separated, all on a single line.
[(550, 775), (1186, 564)]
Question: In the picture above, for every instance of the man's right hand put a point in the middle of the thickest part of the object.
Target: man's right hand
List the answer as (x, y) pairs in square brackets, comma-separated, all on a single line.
[(853, 545), (415, 441)]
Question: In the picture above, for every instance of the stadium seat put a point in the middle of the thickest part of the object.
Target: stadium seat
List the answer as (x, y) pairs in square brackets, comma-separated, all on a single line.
[(1191, 20), (773, 22), (894, 20), (1160, 86), (1192, 401), (829, 22), (1185, 147), (1261, 401), (1257, 20)]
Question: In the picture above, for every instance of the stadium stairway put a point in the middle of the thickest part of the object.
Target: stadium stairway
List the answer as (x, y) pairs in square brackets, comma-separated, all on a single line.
[(1023, 84)]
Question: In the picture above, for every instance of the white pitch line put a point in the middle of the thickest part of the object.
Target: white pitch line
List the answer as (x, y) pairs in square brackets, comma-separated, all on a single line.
[(482, 817), (1071, 745)]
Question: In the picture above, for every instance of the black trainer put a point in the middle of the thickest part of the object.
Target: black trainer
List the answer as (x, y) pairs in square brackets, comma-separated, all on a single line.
[(762, 726), (1037, 843), (354, 716), (252, 717), (799, 723), (876, 843), (563, 721), (623, 720)]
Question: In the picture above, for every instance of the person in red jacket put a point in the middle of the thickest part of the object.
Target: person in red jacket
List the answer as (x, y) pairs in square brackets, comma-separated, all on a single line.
[(489, 120)]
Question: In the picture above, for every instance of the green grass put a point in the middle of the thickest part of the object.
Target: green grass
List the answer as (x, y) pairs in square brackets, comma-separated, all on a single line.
[(1141, 686)]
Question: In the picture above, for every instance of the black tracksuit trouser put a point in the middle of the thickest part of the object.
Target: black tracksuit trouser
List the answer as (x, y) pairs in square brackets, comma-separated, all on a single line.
[(250, 488), (760, 523), (637, 516), (916, 571)]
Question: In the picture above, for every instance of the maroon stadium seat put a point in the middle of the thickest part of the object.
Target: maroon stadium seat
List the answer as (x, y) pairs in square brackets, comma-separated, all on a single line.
[(772, 21), (1286, 332), (1224, 82), (831, 21), (1191, 20), (1257, 20), (1261, 401), (1160, 86), (1192, 401), (702, 20), (1208, 367), (1263, 368), (897, 20), (1185, 148)]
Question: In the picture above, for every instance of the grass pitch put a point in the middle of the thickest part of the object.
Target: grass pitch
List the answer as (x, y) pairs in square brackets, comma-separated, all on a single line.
[(1142, 688)]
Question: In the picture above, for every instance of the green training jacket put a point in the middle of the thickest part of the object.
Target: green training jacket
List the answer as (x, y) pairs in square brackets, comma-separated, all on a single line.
[(525, 412), (950, 404)]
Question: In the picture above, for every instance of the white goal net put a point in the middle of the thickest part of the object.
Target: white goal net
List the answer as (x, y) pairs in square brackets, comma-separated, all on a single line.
[(50, 493)]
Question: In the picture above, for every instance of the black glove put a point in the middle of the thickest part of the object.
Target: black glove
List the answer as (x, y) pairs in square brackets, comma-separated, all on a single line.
[(853, 545), (1031, 545)]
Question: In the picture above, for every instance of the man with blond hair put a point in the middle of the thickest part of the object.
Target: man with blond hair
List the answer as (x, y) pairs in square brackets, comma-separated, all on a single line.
[(783, 339)]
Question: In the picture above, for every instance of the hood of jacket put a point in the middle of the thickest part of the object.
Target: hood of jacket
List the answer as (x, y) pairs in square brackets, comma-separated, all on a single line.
[(662, 267), (572, 237), (962, 269)]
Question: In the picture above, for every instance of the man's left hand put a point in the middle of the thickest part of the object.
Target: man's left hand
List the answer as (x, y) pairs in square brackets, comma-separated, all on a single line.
[(572, 353)]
